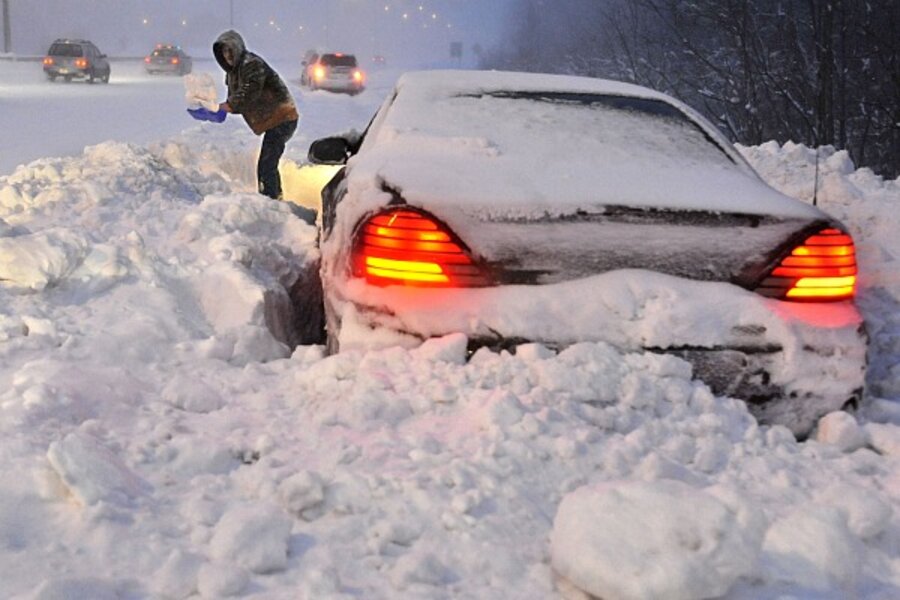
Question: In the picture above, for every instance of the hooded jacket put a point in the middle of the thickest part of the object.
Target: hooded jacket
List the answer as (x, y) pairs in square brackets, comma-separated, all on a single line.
[(255, 91)]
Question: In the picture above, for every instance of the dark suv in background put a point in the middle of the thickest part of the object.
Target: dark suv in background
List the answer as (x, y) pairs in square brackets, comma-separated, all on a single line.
[(76, 59)]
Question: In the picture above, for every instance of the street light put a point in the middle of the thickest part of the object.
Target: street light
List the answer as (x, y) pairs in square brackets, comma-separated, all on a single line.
[(7, 29)]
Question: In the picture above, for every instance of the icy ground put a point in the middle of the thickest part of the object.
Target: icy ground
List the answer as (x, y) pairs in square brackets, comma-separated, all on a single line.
[(158, 441)]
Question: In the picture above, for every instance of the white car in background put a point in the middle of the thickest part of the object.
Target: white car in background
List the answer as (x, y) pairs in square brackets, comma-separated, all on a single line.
[(336, 72), (519, 208)]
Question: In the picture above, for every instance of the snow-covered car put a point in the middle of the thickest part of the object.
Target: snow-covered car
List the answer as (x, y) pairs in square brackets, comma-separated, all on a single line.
[(336, 72), (520, 208), (76, 59), (170, 59)]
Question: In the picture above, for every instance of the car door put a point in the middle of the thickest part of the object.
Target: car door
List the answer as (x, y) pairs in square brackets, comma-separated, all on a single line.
[(98, 59)]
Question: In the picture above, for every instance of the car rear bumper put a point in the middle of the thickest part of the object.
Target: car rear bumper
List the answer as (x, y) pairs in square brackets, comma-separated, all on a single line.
[(339, 85), (164, 68), (73, 72), (791, 362)]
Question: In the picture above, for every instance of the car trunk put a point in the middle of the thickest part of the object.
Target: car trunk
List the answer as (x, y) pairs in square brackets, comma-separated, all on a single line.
[(699, 245), (67, 64)]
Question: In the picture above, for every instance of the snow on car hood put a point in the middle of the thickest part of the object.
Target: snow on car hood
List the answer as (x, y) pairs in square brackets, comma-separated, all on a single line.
[(521, 145)]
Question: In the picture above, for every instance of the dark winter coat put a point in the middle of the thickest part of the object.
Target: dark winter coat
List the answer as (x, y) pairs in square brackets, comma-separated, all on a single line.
[(255, 90)]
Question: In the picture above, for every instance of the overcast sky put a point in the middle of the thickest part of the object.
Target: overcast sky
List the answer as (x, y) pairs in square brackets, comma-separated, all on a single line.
[(417, 31)]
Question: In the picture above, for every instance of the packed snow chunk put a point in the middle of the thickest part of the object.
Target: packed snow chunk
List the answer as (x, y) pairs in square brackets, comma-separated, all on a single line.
[(231, 297), (67, 589), (221, 580), (200, 91), (253, 537), (841, 430), (92, 473), (322, 583), (815, 549), (301, 491), (868, 512), (11, 198), (196, 455), (421, 568), (177, 578), (38, 260), (884, 438), (191, 394), (501, 409), (449, 348), (532, 352), (665, 539), (256, 344), (387, 534)]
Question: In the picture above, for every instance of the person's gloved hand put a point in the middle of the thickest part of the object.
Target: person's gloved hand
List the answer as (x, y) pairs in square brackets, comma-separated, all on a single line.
[(202, 114)]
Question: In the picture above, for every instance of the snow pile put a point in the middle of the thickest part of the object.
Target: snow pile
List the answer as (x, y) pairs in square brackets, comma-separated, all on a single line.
[(121, 218)]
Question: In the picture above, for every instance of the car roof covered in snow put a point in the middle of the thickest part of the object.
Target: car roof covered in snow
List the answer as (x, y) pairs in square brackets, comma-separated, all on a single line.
[(522, 144)]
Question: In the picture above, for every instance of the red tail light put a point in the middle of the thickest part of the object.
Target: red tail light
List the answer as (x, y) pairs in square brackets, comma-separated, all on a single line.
[(406, 247), (48, 61), (146, 59), (81, 63), (319, 73), (358, 76), (821, 269)]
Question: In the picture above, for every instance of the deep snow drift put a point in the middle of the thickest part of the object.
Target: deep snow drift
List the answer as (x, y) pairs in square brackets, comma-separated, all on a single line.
[(159, 441)]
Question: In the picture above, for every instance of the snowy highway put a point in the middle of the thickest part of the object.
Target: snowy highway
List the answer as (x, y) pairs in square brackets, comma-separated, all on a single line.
[(58, 118), (159, 439)]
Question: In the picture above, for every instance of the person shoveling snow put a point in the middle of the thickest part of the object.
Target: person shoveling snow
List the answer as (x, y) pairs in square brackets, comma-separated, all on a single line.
[(257, 92)]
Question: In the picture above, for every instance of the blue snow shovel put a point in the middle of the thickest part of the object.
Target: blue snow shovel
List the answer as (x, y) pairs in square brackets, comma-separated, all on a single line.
[(202, 114)]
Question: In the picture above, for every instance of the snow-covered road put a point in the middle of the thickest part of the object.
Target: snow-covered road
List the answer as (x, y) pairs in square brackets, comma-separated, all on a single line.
[(158, 441)]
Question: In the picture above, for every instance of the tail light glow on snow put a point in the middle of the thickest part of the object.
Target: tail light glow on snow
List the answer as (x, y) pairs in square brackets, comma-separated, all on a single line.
[(407, 247)]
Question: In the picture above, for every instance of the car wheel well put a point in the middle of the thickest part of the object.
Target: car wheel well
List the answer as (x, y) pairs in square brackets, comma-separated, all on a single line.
[(308, 306)]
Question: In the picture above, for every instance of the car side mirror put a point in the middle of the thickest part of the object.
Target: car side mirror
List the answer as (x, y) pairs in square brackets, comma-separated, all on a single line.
[(303, 62), (329, 151), (102, 56)]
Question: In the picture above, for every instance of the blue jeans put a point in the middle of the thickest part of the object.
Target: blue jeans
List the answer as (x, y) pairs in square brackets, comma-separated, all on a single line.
[(272, 148)]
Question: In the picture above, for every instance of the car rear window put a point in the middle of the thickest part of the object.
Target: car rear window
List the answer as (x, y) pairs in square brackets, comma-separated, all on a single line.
[(333, 60), (648, 122), (624, 134), (65, 50), (165, 52)]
